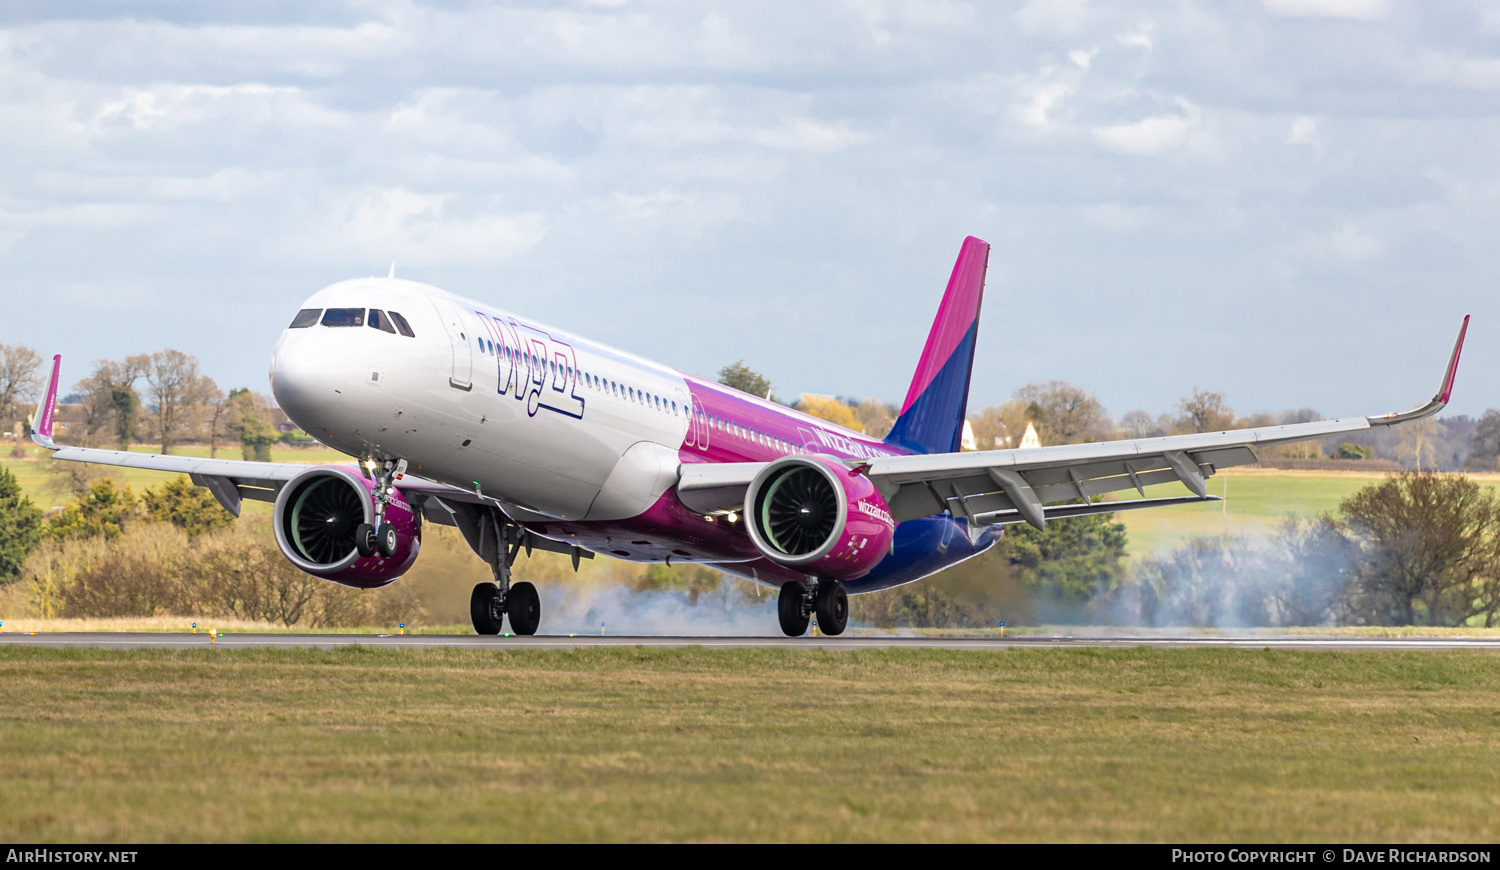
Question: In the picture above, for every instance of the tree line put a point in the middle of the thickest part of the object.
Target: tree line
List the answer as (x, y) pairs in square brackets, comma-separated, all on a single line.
[(160, 398)]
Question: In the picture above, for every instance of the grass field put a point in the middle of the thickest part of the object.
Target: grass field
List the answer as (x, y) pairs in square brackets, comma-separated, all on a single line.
[(634, 744)]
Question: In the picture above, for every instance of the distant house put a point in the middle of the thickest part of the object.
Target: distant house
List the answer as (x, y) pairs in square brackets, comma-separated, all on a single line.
[(280, 421), (66, 416)]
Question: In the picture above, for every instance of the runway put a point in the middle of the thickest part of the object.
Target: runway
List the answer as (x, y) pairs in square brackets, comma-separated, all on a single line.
[(854, 642)]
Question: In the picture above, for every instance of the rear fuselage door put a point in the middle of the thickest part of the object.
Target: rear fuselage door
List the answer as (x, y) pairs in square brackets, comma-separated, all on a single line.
[(462, 376)]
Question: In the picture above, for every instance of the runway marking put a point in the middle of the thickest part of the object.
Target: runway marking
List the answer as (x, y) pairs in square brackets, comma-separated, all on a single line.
[(546, 642)]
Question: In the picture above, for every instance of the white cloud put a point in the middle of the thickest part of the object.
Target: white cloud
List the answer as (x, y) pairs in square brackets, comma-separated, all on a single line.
[(1354, 245), (1116, 217), (1302, 131), (405, 225), (809, 136), (1359, 10), (1457, 69), (1043, 97), (1082, 58), (595, 161), (1151, 135), (1053, 17), (1342, 249)]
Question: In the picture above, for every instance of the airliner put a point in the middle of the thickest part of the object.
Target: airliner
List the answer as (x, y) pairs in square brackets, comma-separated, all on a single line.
[(525, 436)]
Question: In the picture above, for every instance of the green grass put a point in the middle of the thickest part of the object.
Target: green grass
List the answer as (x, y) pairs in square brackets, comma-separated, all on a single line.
[(634, 744)]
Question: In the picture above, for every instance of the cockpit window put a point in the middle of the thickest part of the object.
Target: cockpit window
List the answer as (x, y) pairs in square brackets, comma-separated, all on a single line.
[(305, 318), (379, 321), (401, 325), (344, 317)]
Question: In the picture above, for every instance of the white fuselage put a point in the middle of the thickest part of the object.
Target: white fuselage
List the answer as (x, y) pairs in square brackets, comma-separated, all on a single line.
[(485, 400)]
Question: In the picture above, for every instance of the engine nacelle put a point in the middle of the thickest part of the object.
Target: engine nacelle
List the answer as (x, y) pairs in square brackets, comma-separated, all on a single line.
[(814, 514), (316, 515)]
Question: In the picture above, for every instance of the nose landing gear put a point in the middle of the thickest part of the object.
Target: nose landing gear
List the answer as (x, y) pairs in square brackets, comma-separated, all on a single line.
[(798, 601), (380, 537)]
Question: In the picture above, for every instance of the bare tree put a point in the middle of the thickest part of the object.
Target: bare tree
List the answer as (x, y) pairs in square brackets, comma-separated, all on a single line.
[(110, 403), (175, 387), (1065, 414), (1484, 448), (215, 417), (1300, 450), (999, 427), (1418, 442), (20, 379), (1204, 411), (1138, 424)]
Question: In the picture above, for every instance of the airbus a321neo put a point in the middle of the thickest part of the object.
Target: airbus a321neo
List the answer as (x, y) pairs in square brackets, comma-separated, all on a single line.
[(526, 436)]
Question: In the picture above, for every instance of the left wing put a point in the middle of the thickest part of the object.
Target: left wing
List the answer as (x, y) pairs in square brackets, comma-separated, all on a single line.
[(995, 487), (230, 480)]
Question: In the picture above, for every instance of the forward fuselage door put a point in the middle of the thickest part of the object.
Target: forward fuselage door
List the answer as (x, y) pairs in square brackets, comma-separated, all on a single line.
[(462, 376), (697, 422)]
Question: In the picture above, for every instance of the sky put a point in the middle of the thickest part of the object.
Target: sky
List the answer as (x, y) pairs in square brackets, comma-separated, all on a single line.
[(1293, 202)]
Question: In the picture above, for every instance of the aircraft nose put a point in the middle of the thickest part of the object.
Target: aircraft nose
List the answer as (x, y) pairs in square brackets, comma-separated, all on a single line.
[(304, 380)]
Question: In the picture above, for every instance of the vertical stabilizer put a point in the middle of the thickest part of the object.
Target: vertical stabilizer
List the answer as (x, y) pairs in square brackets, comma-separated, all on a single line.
[(932, 417)]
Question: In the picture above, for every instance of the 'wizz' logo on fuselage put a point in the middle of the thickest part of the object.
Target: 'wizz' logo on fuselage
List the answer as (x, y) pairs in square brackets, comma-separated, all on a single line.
[(534, 367)]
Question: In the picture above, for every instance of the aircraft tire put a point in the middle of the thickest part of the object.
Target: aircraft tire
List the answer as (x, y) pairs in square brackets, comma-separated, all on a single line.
[(789, 608), (832, 607), (364, 540), (388, 540), (524, 607), (482, 610)]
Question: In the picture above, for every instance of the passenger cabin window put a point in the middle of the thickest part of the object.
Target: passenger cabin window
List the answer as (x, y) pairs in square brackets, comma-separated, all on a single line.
[(344, 317), (305, 318), (379, 321), (401, 325)]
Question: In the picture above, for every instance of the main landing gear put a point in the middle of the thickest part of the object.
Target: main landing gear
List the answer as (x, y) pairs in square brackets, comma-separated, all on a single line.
[(798, 601), (381, 537), (489, 603)]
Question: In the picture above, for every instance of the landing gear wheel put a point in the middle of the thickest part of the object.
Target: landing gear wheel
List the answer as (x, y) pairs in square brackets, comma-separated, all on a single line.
[(387, 540), (524, 607), (833, 607), (484, 608), (789, 608), (364, 540)]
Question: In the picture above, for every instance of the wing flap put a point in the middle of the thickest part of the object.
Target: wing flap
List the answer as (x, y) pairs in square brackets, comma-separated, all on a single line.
[(1059, 511)]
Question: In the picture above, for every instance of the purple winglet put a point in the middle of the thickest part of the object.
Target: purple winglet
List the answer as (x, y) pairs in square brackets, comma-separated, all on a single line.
[(42, 430)]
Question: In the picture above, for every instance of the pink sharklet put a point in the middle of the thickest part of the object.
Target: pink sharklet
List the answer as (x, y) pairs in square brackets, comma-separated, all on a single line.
[(1452, 373), (955, 317)]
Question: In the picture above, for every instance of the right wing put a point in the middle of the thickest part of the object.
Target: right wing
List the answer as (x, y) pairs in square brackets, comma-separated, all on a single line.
[(996, 487)]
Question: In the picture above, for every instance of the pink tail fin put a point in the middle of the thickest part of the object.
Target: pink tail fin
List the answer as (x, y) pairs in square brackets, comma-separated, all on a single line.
[(932, 417)]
